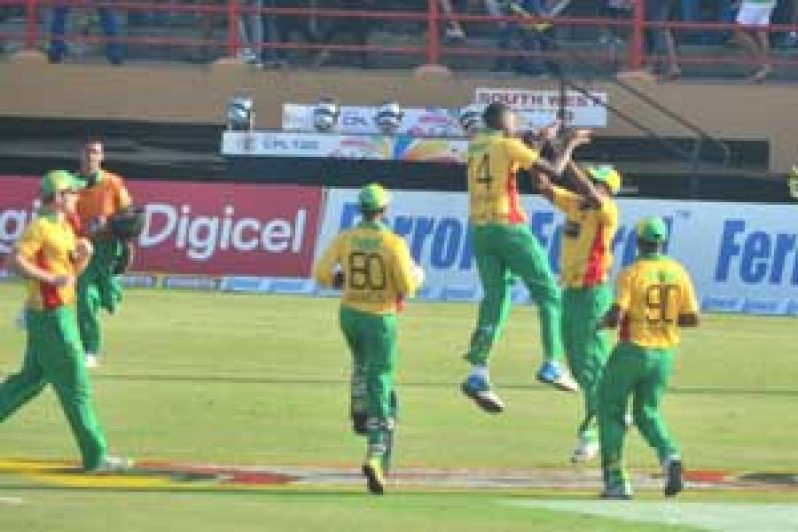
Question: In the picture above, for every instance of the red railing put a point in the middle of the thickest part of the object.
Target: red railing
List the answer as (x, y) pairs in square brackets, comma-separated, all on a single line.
[(432, 50)]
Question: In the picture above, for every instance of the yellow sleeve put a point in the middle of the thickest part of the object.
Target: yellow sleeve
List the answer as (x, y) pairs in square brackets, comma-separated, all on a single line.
[(519, 153), (689, 303), (565, 200), (323, 271), (609, 212), (404, 274), (623, 290), (30, 242)]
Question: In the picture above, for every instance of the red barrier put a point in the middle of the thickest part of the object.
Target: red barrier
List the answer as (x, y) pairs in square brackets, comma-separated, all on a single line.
[(202, 228), (432, 49)]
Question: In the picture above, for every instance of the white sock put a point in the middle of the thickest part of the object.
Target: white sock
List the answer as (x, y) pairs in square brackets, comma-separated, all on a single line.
[(480, 372)]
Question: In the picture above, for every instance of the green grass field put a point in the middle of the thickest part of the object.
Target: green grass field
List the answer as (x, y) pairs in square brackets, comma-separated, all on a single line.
[(262, 380)]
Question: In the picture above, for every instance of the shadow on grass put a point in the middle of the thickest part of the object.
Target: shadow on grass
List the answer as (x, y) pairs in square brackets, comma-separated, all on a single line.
[(238, 379)]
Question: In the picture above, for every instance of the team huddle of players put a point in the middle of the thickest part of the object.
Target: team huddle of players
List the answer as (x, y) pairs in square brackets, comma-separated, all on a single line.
[(73, 251), (654, 297)]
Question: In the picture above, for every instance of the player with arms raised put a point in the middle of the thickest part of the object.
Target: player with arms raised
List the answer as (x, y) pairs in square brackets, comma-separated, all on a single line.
[(505, 246), (591, 220)]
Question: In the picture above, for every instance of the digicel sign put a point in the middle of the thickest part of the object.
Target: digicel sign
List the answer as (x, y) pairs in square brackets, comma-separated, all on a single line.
[(204, 228)]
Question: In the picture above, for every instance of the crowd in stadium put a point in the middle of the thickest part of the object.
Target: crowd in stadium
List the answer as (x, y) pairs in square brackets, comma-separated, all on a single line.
[(258, 32)]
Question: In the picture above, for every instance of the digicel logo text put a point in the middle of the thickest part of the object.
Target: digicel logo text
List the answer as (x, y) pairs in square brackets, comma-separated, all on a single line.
[(202, 236)]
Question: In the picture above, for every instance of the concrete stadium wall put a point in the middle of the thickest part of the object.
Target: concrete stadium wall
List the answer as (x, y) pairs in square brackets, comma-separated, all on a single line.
[(29, 87)]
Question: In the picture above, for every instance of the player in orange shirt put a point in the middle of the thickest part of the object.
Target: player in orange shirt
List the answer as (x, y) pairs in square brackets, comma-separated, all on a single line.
[(99, 287)]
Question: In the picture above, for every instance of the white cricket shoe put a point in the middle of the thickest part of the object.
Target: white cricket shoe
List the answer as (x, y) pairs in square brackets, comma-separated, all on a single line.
[(113, 464), (92, 361), (586, 450)]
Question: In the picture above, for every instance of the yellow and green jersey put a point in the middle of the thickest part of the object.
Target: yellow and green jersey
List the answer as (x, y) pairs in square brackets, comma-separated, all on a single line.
[(493, 164), (377, 268), (652, 293), (49, 243), (586, 249)]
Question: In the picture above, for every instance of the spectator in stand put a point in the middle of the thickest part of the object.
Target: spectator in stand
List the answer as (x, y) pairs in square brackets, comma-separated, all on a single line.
[(661, 40), (280, 28), (532, 36), (454, 30), (754, 19), (110, 26), (360, 28), (250, 28)]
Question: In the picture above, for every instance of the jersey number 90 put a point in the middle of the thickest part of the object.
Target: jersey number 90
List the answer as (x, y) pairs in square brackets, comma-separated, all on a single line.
[(662, 304)]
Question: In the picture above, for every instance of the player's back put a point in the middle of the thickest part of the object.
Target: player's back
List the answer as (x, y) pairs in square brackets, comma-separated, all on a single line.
[(655, 290), (493, 162), (377, 268)]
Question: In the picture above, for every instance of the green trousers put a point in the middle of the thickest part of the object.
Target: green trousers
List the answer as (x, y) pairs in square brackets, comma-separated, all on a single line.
[(98, 288), (503, 251), (372, 341), (642, 374), (586, 347), (54, 355)]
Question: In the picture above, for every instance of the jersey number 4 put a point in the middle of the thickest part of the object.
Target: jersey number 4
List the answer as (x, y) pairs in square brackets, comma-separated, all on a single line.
[(483, 171), (367, 271)]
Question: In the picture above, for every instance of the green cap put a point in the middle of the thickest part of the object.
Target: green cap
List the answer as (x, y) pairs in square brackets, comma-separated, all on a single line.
[(652, 229), (606, 174), (57, 181), (373, 197)]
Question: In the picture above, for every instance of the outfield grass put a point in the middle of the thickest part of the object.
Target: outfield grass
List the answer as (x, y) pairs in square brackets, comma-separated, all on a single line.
[(245, 379)]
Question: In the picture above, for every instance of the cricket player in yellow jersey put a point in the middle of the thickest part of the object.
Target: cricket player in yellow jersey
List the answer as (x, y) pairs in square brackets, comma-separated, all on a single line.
[(376, 273), (50, 256), (591, 220), (505, 246), (654, 299), (99, 287)]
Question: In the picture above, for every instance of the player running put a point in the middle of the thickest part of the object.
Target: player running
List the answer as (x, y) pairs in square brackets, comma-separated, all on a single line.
[(654, 299), (376, 274), (50, 256), (505, 246), (591, 220)]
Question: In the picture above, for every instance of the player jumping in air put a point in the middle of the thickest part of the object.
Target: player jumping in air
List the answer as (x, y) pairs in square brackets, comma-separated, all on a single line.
[(505, 246), (654, 299), (376, 274)]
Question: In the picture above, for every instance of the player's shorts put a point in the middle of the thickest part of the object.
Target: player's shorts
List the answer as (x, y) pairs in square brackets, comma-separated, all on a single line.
[(755, 14)]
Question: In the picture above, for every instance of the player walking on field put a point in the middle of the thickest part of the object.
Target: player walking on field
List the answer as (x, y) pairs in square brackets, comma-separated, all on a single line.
[(591, 220), (50, 256), (99, 287), (505, 246), (654, 299), (376, 274)]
